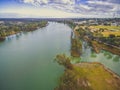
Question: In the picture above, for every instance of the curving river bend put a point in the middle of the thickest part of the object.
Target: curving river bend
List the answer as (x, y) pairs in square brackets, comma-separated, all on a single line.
[(27, 61)]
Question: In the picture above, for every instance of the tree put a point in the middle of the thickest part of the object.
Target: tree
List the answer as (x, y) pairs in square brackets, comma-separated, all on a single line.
[(63, 60), (111, 35)]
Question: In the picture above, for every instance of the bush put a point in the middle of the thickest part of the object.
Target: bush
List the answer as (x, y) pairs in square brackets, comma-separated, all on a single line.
[(63, 60)]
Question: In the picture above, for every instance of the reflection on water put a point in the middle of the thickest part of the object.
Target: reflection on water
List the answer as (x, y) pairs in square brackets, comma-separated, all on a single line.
[(116, 58), (88, 55), (108, 59)]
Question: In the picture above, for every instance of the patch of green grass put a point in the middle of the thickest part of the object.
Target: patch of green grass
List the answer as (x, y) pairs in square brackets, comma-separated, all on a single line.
[(116, 58), (105, 53), (75, 60), (108, 55), (102, 51), (108, 27), (93, 55)]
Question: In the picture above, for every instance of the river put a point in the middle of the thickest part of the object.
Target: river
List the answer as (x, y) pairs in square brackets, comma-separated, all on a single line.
[(27, 61), (108, 59)]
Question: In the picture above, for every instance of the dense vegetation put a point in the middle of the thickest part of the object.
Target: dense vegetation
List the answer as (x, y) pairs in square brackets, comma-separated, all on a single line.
[(102, 35), (112, 40), (12, 27), (71, 24), (76, 47), (63, 60)]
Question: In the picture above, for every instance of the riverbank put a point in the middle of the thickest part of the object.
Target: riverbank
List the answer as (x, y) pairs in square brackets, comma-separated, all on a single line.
[(88, 76), (26, 61), (101, 46), (13, 27), (96, 44)]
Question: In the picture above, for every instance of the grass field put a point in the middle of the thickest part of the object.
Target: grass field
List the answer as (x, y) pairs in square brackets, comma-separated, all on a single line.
[(108, 33), (88, 76), (107, 27), (108, 30)]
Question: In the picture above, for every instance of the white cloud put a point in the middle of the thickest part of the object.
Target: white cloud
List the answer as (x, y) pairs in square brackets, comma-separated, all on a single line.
[(70, 2), (77, 8), (99, 2), (85, 6), (28, 1), (42, 12), (105, 6)]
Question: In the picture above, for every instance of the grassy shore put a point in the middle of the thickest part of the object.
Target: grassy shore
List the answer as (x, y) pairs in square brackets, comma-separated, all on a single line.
[(107, 27), (101, 46), (88, 76), (10, 28)]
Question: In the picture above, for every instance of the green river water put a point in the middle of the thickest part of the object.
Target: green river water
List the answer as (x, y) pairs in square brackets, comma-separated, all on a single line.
[(27, 61)]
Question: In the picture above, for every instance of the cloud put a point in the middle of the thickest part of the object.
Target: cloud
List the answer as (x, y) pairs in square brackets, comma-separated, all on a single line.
[(41, 2), (38, 12), (92, 7), (104, 6), (114, 1), (85, 7)]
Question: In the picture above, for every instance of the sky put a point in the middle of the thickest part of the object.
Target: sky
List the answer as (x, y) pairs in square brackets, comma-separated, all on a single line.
[(59, 8)]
